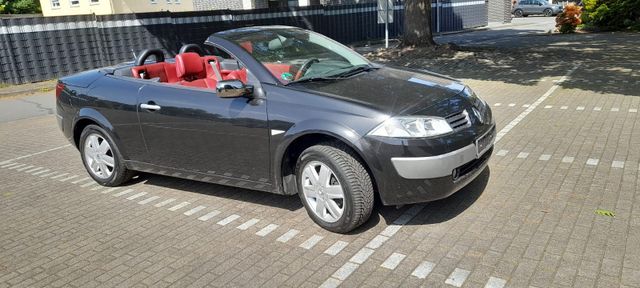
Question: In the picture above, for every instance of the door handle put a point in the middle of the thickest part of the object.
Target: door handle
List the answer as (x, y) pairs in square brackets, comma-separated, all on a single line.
[(150, 107)]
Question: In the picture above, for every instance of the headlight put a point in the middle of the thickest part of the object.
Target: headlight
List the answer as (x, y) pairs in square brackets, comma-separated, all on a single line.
[(412, 127)]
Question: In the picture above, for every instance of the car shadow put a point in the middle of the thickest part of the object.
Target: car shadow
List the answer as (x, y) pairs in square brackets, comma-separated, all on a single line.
[(439, 211)]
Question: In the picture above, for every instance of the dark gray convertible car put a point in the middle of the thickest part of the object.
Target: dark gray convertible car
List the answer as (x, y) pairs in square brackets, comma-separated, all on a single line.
[(282, 110)]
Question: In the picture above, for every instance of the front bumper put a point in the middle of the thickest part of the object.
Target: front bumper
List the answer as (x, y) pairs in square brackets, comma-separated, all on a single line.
[(407, 180)]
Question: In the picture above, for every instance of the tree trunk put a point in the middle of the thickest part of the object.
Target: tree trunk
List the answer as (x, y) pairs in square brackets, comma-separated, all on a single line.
[(417, 23)]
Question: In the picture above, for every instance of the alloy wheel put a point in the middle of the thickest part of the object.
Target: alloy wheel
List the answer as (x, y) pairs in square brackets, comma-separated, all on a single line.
[(322, 191), (99, 156)]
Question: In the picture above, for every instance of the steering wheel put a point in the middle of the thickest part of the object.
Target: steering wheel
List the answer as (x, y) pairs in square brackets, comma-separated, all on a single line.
[(191, 48), (159, 55), (305, 66)]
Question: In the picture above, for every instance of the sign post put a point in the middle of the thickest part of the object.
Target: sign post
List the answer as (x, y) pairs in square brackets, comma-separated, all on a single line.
[(384, 16)]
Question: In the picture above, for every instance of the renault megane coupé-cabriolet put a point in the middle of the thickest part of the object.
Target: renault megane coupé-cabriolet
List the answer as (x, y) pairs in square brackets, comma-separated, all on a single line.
[(282, 110)]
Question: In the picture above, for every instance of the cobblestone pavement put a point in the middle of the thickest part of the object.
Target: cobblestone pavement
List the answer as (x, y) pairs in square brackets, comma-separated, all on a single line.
[(569, 145)]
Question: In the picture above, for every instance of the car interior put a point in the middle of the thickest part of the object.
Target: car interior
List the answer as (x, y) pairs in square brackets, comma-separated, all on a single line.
[(193, 69)]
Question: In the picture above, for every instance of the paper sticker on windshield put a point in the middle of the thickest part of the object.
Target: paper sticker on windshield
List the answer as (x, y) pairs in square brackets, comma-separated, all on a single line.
[(287, 76)]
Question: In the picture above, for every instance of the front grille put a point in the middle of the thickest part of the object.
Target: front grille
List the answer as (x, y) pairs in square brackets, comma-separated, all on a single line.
[(459, 120)]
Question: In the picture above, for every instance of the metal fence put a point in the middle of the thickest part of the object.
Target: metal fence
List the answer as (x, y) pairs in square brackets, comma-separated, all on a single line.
[(38, 48)]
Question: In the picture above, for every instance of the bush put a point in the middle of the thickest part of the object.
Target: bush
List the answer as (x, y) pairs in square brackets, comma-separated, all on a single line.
[(19, 7), (612, 14), (569, 19)]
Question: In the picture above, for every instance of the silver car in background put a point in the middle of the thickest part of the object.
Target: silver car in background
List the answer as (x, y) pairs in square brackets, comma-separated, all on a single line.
[(524, 8)]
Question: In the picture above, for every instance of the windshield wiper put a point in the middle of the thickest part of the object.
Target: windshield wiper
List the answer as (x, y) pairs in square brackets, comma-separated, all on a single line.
[(354, 71), (313, 79)]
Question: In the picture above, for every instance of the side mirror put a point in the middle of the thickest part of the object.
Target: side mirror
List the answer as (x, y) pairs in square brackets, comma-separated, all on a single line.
[(233, 89)]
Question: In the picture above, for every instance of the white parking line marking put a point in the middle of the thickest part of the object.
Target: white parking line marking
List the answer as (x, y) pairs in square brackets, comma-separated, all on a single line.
[(10, 164), (533, 106), (458, 277), (597, 108), (336, 248), (149, 200), (178, 206), (110, 190), (5, 162), (38, 153), (194, 210), (122, 192), (165, 202), (615, 109), (69, 178), (209, 215), (497, 104), (266, 230), (284, 238), (502, 152), (617, 164), (633, 110), (136, 196), (58, 176), (423, 270), (377, 241), (544, 157), (40, 172), (312, 241), (564, 107), (246, 225), (331, 283), (393, 261), (525, 105), (81, 180), (495, 283), (88, 184), (522, 155), (580, 108), (567, 159), (48, 174), (548, 107), (228, 220), (362, 255), (512, 104), (16, 166), (25, 168), (592, 161), (34, 169), (344, 271), (97, 188)]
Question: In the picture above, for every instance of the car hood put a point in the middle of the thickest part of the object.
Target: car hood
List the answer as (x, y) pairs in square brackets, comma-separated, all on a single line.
[(391, 91)]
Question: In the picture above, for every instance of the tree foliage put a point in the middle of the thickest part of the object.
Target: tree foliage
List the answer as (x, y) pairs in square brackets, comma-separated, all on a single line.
[(19, 7), (612, 14)]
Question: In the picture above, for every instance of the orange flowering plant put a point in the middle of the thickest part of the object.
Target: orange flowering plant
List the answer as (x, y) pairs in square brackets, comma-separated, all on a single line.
[(569, 19)]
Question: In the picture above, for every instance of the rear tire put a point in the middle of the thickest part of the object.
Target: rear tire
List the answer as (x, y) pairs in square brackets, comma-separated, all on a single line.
[(101, 157), (548, 12), (518, 13), (344, 172)]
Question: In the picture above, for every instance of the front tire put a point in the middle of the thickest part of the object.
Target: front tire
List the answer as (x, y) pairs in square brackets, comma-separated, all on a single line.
[(102, 158), (548, 12), (334, 187)]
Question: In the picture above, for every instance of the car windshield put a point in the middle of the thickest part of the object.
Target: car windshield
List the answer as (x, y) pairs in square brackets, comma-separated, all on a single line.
[(296, 55)]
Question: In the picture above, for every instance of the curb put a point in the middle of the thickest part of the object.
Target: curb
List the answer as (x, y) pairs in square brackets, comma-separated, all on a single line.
[(28, 89)]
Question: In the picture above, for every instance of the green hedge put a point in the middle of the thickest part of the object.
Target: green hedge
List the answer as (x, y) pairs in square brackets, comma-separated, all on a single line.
[(612, 14)]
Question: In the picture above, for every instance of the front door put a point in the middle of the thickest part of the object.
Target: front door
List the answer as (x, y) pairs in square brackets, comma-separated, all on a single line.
[(194, 130)]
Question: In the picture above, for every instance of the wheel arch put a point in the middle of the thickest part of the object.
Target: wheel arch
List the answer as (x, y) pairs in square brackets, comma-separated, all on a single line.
[(90, 116), (295, 145)]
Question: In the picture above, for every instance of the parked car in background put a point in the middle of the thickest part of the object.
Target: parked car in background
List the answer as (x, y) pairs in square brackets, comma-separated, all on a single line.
[(524, 8), (282, 110)]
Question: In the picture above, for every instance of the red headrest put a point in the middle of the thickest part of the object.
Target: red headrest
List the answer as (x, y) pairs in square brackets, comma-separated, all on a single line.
[(247, 45), (188, 65)]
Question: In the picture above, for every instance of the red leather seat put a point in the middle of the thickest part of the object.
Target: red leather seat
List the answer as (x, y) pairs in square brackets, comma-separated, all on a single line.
[(191, 71), (163, 70)]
